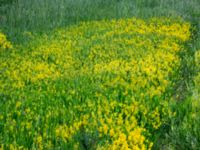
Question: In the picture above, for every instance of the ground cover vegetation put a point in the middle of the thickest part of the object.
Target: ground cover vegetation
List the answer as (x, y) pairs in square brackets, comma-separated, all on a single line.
[(116, 74)]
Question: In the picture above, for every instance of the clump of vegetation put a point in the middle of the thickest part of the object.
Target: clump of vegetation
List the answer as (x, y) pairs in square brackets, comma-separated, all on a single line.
[(77, 74), (100, 84)]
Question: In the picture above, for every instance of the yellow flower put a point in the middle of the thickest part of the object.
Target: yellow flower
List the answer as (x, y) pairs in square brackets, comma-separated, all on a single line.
[(4, 43), (18, 104), (105, 129), (112, 132), (28, 125), (39, 139)]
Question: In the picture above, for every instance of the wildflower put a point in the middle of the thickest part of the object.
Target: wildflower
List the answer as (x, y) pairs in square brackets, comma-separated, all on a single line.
[(112, 132), (105, 129)]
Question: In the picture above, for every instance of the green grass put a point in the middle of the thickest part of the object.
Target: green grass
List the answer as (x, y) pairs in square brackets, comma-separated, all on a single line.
[(130, 65), (184, 130), (43, 16)]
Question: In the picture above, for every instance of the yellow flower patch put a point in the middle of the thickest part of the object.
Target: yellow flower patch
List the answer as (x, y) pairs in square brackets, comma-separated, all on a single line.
[(99, 85), (4, 43)]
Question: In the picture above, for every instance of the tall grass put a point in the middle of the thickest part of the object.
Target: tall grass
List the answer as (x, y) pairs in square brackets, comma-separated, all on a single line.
[(47, 14), (44, 15)]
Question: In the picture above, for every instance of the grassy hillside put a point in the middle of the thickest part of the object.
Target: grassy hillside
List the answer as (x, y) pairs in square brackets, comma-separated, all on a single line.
[(83, 74)]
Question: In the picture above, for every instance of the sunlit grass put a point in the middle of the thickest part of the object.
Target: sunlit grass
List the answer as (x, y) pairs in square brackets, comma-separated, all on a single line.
[(65, 83), (100, 84)]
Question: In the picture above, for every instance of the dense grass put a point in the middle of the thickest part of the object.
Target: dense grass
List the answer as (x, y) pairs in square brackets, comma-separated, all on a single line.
[(121, 70), (184, 128), (47, 14), (19, 19)]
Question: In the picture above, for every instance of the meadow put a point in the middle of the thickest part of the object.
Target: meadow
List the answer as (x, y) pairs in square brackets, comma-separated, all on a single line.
[(118, 74)]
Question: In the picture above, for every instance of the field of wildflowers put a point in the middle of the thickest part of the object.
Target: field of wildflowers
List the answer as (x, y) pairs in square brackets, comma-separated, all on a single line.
[(96, 85)]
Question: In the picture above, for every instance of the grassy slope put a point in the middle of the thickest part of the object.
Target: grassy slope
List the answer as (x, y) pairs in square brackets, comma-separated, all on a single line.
[(39, 16)]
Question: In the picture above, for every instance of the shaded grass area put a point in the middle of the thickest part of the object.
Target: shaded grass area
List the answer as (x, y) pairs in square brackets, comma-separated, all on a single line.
[(182, 131), (44, 15)]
